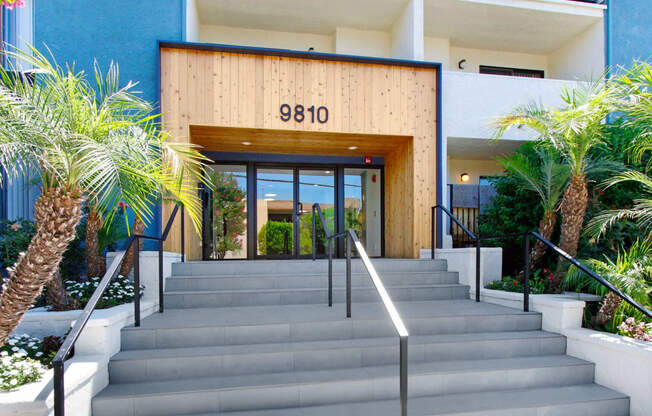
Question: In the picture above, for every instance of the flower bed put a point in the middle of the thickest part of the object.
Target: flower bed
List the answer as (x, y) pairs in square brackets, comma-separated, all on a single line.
[(539, 283), (119, 291), (24, 359)]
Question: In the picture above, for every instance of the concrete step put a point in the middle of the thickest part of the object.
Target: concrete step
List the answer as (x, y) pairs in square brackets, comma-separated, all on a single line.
[(580, 400), (183, 363), (256, 297), (197, 283), (298, 323), (311, 388), (266, 267)]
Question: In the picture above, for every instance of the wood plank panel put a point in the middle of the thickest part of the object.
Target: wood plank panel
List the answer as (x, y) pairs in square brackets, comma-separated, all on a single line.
[(219, 99)]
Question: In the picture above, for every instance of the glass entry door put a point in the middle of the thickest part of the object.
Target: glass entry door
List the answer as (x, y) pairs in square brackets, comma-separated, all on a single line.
[(315, 186), (284, 199)]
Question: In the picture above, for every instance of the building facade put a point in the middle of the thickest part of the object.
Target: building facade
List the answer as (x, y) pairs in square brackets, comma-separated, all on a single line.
[(369, 108)]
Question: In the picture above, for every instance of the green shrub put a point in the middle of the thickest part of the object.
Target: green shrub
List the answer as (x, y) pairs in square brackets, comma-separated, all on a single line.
[(14, 239), (271, 237)]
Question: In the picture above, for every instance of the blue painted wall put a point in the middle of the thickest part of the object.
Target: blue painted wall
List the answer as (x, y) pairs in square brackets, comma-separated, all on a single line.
[(629, 31), (123, 31)]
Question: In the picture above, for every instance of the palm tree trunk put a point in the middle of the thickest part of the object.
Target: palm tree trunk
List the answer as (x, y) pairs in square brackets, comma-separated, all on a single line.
[(95, 263), (57, 213), (608, 309), (546, 228), (128, 262), (573, 209), (56, 293)]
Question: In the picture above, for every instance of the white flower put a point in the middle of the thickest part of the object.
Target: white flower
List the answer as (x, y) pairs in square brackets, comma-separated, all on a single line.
[(13, 381), (4, 354), (14, 349), (38, 354)]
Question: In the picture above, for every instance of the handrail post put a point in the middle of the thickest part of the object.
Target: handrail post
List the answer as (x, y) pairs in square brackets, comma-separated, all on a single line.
[(330, 272), (526, 273), (59, 396), (432, 233), (183, 234), (404, 374), (477, 269), (160, 276), (314, 235), (136, 243), (348, 274)]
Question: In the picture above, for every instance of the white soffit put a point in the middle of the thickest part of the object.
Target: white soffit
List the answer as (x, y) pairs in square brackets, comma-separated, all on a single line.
[(480, 149), (525, 26), (306, 16)]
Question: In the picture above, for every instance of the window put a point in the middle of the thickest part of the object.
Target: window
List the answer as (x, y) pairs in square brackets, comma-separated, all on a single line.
[(513, 72)]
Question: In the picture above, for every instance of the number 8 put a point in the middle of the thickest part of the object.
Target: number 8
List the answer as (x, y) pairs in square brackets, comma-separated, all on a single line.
[(298, 113)]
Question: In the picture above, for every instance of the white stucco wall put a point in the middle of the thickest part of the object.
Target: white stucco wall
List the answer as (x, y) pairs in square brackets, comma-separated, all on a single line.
[(582, 59), (266, 38), (475, 169), (476, 57), (437, 50), (363, 42), (484, 97), (192, 21), (407, 32)]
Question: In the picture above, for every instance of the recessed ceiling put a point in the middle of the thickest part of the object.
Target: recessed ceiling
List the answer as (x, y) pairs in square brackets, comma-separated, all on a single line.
[(480, 149), (308, 16), (519, 26)]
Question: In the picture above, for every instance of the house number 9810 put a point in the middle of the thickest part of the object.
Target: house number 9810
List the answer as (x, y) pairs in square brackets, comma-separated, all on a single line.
[(300, 113)]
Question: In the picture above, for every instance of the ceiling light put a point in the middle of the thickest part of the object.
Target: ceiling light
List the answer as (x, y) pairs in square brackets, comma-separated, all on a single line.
[(353, 147), (270, 195), (465, 177), (246, 143), (328, 172)]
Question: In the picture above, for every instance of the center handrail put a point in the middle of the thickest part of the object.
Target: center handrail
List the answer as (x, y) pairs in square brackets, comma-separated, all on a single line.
[(394, 316), (111, 272)]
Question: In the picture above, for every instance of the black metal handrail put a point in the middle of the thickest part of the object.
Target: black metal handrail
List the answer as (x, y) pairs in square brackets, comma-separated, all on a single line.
[(563, 254), (474, 238), (395, 317), (111, 272)]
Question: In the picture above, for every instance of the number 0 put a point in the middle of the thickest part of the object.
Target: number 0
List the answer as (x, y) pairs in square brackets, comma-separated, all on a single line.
[(322, 117)]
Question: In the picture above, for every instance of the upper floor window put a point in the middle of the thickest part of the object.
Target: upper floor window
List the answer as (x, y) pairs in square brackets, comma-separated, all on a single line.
[(514, 72)]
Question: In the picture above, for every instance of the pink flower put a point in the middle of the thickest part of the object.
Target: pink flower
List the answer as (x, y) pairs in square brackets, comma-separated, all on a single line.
[(16, 226), (629, 320)]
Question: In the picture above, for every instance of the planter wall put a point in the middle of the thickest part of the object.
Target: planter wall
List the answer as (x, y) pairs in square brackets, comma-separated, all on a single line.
[(462, 260), (86, 373), (621, 363)]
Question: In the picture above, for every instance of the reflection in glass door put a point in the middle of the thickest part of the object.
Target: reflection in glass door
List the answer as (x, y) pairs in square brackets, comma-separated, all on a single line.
[(224, 227), (362, 207), (275, 212), (315, 186)]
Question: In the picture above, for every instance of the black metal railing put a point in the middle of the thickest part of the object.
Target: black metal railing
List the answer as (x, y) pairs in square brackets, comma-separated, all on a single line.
[(472, 236), (111, 272), (526, 257), (352, 240)]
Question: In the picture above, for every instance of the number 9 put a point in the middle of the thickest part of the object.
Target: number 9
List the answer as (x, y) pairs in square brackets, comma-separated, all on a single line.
[(286, 112)]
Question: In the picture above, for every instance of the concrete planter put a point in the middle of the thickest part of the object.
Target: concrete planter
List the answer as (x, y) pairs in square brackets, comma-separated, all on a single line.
[(621, 363), (462, 260), (86, 373)]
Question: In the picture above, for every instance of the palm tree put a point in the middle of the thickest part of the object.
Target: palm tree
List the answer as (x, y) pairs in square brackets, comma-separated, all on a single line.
[(630, 272), (574, 130), (86, 142), (546, 176), (635, 90), (640, 212)]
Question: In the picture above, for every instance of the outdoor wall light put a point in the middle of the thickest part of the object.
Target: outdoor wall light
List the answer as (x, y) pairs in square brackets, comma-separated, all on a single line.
[(465, 177), (461, 64)]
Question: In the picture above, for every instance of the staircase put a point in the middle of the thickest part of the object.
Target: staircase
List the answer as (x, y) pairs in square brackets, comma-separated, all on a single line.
[(258, 338)]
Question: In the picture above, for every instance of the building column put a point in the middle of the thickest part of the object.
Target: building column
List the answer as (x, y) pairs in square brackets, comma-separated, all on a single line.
[(407, 32)]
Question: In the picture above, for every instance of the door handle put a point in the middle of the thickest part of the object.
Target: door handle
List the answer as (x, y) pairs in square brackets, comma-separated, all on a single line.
[(299, 209)]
